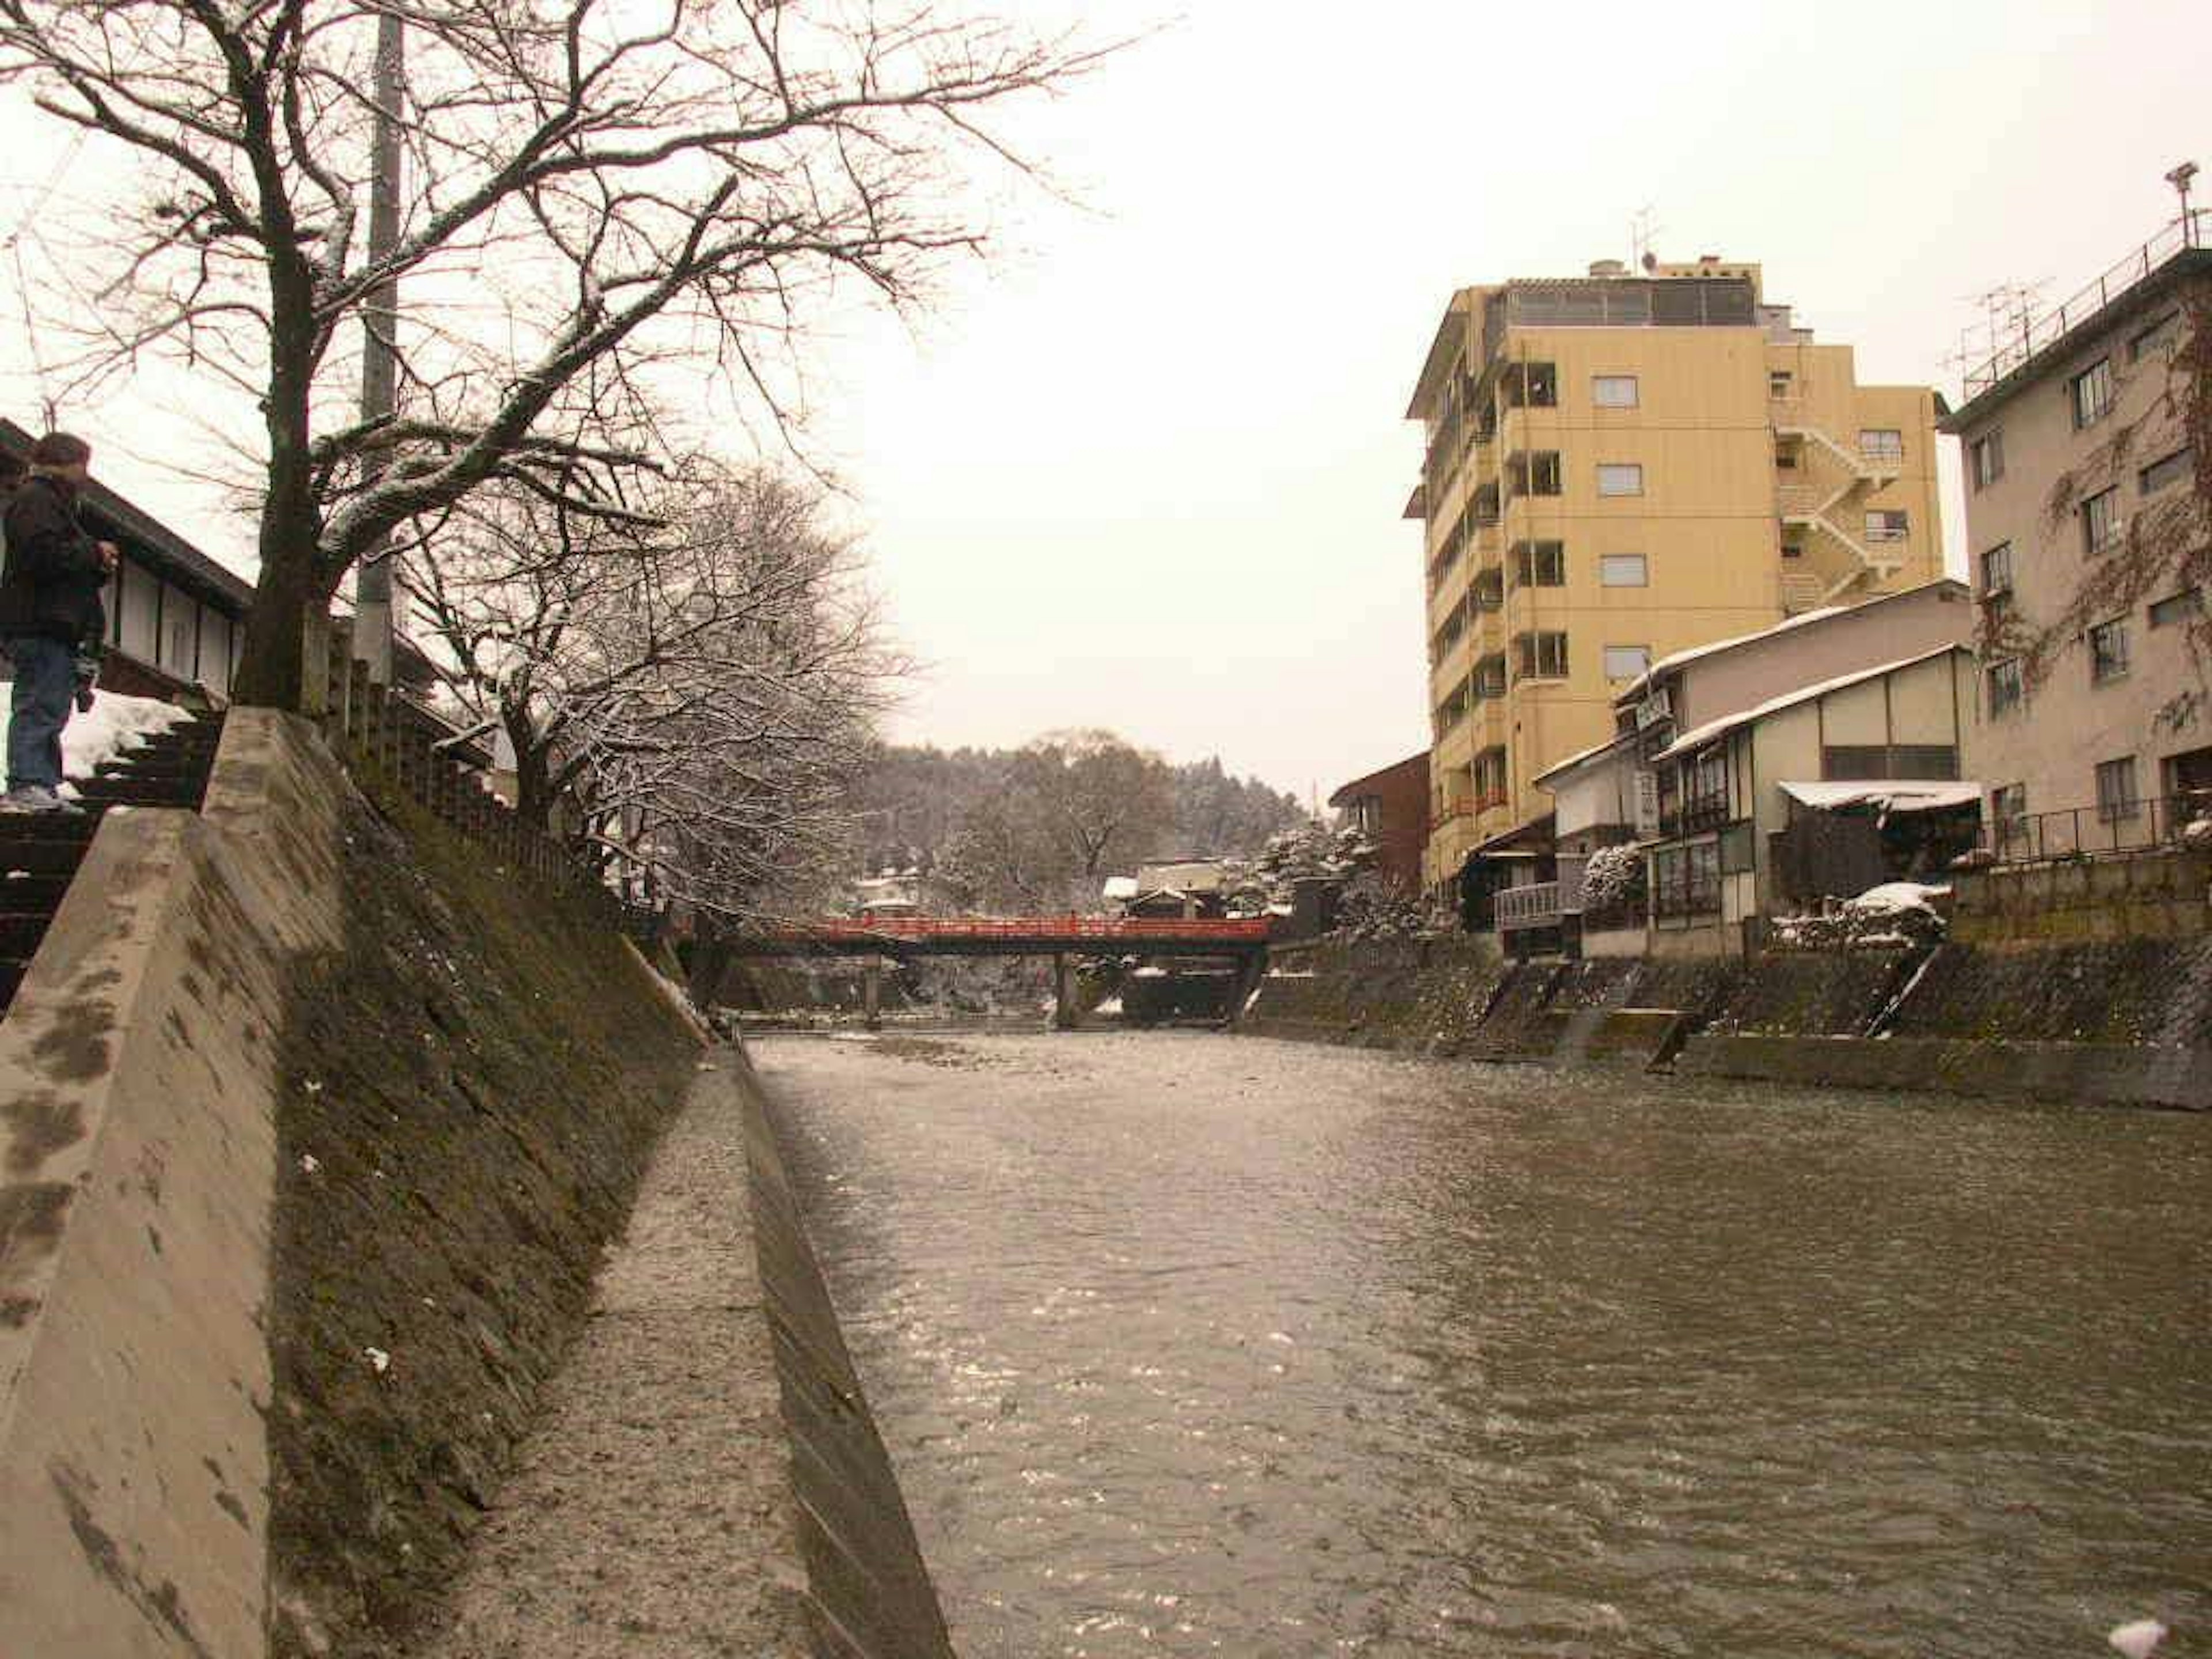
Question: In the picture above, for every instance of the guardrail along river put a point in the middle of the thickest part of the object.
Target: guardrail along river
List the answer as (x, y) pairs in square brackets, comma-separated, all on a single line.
[(1186, 1344)]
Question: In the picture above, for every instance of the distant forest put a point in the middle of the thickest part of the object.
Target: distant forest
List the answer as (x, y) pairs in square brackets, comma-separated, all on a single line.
[(1044, 824)]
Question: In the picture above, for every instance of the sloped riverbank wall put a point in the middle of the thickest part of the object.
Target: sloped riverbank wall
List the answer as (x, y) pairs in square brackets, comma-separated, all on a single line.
[(2122, 1022)]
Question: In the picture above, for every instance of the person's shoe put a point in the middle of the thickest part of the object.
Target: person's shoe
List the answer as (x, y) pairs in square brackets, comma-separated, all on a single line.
[(38, 798)]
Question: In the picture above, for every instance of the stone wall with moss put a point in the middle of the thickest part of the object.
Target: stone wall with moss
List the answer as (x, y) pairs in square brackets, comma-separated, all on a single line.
[(474, 1083)]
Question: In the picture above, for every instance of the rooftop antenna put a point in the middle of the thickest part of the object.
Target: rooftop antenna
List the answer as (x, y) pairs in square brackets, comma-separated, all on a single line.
[(2179, 178), (1642, 228)]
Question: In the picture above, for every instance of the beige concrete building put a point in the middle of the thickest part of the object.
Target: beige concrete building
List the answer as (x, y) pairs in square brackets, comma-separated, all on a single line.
[(2084, 498), (1620, 467), (1766, 772)]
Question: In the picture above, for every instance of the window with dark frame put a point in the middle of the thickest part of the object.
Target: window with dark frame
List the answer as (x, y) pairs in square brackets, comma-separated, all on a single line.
[(2089, 394), (2166, 472), (1532, 472), (2100, 520), (1540, 564), (2009, 814), (1543, 656), (2116, 799), (1888, 524), (1985, 459), (2158, 336), (1996, 572), (2005, 687), (2176, 608), (2108, 652)]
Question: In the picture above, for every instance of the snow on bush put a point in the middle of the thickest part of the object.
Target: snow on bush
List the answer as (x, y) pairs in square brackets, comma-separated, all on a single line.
[(1612, 877), (2197, 835), (1896, 915)]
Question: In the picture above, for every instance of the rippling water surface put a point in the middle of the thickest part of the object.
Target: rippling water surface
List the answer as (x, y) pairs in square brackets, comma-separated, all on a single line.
[(1189, 1344)]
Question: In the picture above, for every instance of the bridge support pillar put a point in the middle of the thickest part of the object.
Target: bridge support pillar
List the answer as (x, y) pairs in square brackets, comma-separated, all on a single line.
[(1251, 969), (1063, 994), (872, 995)]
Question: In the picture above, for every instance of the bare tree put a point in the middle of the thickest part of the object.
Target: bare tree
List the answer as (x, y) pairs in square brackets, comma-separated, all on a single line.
[(1068, 802), (592, 191), (700, 674)]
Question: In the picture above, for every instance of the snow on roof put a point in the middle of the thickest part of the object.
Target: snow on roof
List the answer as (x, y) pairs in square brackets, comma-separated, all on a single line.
[(1697, 736), (1892, 795), (1573, 761), (1636, 688), (1900, 895), (1120, 887)]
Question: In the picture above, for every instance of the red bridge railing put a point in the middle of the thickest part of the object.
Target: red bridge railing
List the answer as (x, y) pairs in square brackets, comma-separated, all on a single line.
[(1103, 929)]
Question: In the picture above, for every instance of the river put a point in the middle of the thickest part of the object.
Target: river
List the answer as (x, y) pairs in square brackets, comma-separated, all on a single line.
[(1187, 1344)]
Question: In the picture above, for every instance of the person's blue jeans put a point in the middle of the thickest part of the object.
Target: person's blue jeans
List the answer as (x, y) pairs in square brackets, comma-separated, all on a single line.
[(45, 681)]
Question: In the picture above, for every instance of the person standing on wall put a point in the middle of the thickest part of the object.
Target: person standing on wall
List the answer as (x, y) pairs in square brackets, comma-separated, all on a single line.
[(49, 602)]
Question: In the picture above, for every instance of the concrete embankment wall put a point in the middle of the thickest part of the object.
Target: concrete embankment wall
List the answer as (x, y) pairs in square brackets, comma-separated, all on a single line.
[(870, 1591), (316, 1123), (2123, 1021), (141, 1071)]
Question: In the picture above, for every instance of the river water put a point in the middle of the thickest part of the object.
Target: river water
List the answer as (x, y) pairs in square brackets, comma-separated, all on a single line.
[(1190, 1343)]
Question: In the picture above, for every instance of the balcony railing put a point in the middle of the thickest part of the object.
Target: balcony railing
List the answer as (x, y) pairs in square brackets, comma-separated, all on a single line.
[(1536, 905), (2108, 829), (1705, 813), (2036, 332)]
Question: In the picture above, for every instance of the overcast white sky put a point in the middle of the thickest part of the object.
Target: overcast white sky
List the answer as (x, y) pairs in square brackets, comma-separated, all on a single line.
[(1145, 471)]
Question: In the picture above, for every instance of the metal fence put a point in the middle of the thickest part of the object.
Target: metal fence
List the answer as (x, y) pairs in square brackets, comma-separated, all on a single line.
[(2111, 830), (2036, 331)]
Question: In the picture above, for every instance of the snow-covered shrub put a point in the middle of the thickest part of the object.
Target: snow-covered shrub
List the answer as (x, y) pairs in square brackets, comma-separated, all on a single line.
[(1613, 878), (1897, 916)]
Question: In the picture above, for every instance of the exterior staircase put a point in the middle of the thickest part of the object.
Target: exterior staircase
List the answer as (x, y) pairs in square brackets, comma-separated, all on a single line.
[(40, 852)]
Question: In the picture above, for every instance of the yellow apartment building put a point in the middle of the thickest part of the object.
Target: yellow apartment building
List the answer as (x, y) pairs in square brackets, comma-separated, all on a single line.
[(1620, 467)]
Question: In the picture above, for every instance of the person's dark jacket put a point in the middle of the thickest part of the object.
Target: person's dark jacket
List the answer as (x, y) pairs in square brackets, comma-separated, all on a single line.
[(53, 583)]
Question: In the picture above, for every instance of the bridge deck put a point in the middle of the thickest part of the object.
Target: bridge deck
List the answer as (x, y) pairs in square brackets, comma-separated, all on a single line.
[(1004, 935)]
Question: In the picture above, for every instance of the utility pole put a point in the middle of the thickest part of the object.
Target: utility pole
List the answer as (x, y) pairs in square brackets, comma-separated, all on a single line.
[(380, 358)]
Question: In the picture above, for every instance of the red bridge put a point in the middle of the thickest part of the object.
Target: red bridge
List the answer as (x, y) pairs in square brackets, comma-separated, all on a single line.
[(1004, 935)]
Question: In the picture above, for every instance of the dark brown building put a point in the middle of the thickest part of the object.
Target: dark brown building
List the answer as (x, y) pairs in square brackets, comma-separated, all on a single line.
[(1391, 809)]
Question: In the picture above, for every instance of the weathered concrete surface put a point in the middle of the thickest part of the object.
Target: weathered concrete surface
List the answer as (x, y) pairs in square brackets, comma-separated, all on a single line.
[(2121, 1021), (2087, 1072), (869, 1592), (137, 1080), (2158, 893), (650, 1513)]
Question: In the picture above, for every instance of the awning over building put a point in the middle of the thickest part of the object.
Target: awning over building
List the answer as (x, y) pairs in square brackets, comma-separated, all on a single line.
[(1887, 794)]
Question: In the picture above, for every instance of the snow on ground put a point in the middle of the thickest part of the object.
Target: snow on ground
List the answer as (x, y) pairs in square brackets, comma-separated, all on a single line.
[(115, 725)]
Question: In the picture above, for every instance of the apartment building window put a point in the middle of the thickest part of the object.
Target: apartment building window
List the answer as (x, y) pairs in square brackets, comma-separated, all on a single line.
[(2009, 814), (1624, 570), (1619, 479), (1888, 524), (1881, 443), (2116, 799), (1531, 386), (2005, 687), (1540, 564), (1996, 574), (2100, 520), (1532, 472), (1792, 546), (1626, 662), (1613, 391), (2159, 336), (2165, 613), (1489, 679), (2164, 472), (1779, 383), (1490, 778), (1543, 656), (2108, 652), (1985, 459), (2089, 394)]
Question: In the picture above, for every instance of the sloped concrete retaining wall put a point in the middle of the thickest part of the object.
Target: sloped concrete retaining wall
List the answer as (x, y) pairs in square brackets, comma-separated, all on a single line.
[(138, 1084), (870, 1592), (2123, 1022)]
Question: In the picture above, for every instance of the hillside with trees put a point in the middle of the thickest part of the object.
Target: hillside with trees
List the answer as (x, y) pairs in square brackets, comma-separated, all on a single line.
[(1040, 826)]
